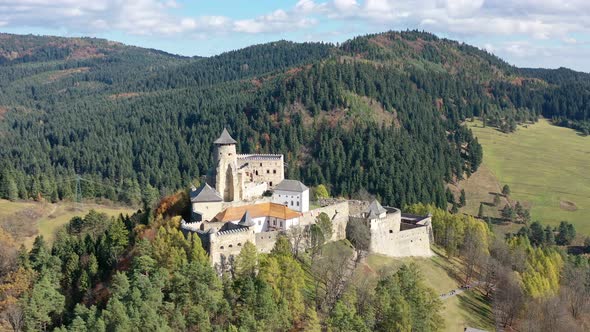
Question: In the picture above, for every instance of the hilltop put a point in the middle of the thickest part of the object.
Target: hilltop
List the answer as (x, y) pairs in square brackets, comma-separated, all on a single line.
[(386, 108)]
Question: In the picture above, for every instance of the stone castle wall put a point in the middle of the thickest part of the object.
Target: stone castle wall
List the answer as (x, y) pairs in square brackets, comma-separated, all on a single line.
[(337, 212), (254, 190), (207, 210), (228, 243), (262, 168), (413, 242), (266, 241), (389, 236)]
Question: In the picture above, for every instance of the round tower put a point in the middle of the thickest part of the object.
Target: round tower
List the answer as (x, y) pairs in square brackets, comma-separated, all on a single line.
[(226, 172)]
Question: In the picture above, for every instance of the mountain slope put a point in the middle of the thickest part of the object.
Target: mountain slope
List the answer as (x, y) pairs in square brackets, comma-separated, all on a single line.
[(380, 113)]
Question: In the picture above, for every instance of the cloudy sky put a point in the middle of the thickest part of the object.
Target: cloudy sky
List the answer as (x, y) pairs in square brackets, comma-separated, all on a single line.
[(532, 33)]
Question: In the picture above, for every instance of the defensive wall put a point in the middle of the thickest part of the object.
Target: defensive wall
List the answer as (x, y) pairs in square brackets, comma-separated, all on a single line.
[(338, 213), (395, 235)]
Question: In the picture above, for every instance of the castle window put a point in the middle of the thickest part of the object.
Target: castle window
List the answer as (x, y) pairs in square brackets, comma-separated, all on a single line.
[(274, 171), (256, 172), (271, 183), (390, 231), (231, 246), (268, 171), (291, 203), (260, 164), (221, 247), (239, 244), (297, 203)]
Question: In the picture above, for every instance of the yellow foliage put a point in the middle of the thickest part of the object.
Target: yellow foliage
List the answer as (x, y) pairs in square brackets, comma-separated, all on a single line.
[(543, 268), (449, 229), (14, 285)]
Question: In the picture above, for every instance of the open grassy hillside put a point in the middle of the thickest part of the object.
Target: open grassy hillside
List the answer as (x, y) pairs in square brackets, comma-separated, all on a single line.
[(545, 166), (25, 220), (468, 309)]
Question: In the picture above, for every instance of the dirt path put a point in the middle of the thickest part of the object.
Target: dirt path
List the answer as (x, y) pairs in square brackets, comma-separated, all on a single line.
[(458, 291)]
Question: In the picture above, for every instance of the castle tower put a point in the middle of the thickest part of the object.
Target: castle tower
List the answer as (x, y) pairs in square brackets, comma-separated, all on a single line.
[(227, 181)]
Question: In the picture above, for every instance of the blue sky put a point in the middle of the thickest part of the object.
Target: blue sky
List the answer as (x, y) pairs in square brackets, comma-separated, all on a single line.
[(531, 33)]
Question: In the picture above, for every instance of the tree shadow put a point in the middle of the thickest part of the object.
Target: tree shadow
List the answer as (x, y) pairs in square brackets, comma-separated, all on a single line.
[(453, 273), (576, 250), (473, 302)]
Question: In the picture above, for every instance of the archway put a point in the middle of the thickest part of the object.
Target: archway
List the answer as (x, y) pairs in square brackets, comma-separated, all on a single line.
[(228, 193)]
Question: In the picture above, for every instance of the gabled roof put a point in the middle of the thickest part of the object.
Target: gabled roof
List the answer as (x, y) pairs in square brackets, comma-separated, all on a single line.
[(291, 185), (205, 194), (246, 220), (266, 209), (225, 138), (375, 209)]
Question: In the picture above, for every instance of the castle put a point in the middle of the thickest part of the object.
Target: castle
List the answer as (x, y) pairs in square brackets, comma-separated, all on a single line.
[(231, 208)]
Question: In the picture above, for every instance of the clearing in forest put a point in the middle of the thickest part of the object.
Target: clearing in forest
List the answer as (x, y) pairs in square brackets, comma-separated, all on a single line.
[(468, 309), (547, 168), (24, 220)]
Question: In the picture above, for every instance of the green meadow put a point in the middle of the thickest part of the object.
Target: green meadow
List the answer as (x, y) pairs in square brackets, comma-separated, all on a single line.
[(27, 219), (547, 168)]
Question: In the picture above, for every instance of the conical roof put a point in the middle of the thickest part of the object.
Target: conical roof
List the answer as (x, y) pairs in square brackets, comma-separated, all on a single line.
[(375, 209), (246, 220), (225, 138), (205, 194)]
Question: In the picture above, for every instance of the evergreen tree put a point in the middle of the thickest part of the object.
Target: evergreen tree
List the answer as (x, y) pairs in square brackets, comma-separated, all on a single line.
[(247, 261), (506, 190), (44, 303), (480, 212), (508, 212), (462, 200)]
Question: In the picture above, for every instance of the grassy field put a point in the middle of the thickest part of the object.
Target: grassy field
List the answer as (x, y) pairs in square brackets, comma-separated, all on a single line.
[(546, 167), (28, 219), (468, 309)]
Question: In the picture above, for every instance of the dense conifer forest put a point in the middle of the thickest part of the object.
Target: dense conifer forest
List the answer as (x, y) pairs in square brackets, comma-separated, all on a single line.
[(380, 113)]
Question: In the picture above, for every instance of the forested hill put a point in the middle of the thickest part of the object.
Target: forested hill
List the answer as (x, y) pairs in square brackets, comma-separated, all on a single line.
[(380, 113)]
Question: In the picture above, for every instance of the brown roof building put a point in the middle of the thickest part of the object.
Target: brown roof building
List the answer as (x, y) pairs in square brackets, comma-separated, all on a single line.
[(267, 209)]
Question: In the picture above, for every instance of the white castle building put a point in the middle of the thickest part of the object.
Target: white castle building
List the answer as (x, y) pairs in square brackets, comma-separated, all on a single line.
[(293, 194), (235, 211)]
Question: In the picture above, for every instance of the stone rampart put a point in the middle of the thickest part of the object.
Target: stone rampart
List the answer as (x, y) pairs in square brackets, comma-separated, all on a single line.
[(337, 212), (229, 243), (266, 241)]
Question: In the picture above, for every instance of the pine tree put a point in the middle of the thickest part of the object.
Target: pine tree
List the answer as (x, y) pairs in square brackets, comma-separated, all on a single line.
[(247, 261), (44, 301), (549, 236), (508, 212), (8, 186), (480, 212), (506, 190), (462, 200)]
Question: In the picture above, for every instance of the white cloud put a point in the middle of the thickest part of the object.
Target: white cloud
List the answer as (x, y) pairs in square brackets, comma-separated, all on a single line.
[(277, 21), (142, 17), (524, 23), (462, 8), (570, 40)]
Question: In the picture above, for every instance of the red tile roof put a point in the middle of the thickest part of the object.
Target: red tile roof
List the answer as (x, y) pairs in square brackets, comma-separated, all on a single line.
[(256, 211)]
